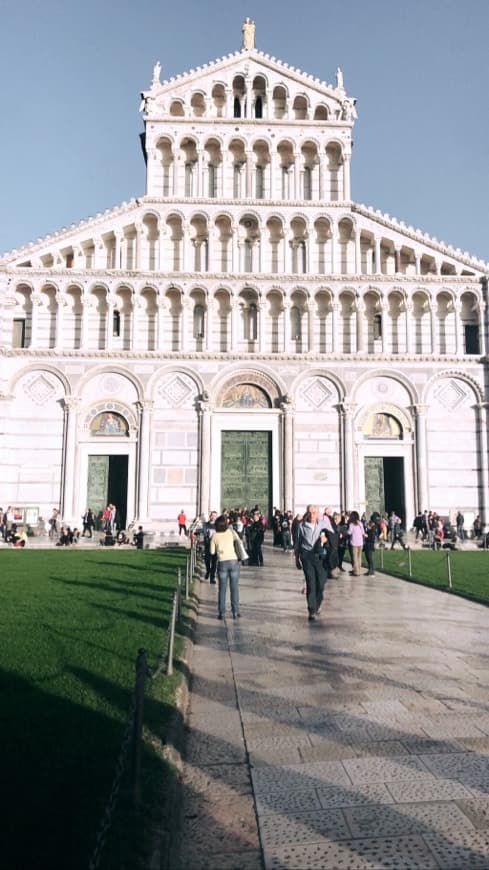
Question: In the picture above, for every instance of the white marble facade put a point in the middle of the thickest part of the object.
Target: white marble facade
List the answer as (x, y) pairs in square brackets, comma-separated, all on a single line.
[(245, 262)]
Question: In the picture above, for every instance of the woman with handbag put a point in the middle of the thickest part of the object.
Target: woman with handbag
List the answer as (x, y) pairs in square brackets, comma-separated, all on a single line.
[(228, 565)]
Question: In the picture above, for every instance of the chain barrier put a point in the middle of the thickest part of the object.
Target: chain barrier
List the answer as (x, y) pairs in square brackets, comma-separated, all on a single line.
[(120, 769), (134, 723)]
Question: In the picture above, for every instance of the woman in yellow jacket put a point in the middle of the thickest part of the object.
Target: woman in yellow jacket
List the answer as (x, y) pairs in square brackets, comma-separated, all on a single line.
[(222, 543)]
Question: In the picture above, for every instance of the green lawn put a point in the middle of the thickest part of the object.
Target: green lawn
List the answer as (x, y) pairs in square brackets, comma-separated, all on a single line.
[(71, 625), (469, 570)]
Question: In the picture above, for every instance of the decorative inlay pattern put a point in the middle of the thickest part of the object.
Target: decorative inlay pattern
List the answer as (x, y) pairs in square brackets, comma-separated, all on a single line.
[(40, 389), (177, 390), (317, 394), (451, 394)]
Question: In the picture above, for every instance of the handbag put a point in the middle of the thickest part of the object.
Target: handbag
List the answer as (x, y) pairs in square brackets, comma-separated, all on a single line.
[(239, 549)]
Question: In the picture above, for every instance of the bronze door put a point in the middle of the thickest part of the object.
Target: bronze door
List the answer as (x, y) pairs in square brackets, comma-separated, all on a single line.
[(246, 470)]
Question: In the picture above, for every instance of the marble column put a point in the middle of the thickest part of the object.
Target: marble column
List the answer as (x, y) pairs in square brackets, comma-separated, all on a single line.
[(481, 319), (235, 309), (288, 416), (261, 310), (61, 305), (435, 344), (483, 438), (408, 306), (378, 264), (361, 335), (346, 410), (459, 330), (421, 463), (69, 465), (286, 330), (36, 303), (209, 322), (335, 315), (162, 308), (145, 410), (204, 415)]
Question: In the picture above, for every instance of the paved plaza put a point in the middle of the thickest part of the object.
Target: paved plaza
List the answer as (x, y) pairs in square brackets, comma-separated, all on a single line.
[(360, 740)]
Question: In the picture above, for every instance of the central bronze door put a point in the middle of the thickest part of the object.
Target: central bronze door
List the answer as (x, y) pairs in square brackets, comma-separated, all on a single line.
[(246, 470)]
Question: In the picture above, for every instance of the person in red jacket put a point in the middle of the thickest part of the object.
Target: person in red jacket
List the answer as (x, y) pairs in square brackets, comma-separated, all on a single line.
[(182, 523)]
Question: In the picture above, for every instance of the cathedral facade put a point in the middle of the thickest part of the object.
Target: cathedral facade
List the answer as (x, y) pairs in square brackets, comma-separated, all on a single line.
[(244, 332)]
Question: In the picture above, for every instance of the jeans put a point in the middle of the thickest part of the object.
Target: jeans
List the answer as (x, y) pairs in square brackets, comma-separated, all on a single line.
[(228, 570)]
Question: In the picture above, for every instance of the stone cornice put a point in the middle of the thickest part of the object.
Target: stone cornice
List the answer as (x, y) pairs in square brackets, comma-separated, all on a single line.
[(230, 356), (241, 278)]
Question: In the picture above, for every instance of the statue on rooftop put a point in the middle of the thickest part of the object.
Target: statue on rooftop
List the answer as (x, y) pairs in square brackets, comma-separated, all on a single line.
[(248, 31), (156, 73), (339, 79)]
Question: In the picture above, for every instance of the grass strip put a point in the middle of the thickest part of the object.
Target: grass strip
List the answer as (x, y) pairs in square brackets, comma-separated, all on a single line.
[(71, 624)]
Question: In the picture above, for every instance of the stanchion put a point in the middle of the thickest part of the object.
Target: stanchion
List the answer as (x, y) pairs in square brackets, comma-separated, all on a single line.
[(382, 559), (409, 563), (187, 576), (171, 636), (449, 567)]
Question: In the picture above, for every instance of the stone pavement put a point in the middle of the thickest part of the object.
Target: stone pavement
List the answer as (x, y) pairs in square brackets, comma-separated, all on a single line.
[(360, 740)]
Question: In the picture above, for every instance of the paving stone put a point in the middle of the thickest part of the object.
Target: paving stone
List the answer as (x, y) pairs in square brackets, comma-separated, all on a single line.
[(299, 776), (267, 756), (272, 729), (328, 750), (402, 853), (465, 766), (427, 788), (447, 727), (477, 810), (399, 819), (277, 741), (309, 827), (474, 744), (384, 769), (200, 859), (287, 801), (354, 795), (428, 746), (460, 850)]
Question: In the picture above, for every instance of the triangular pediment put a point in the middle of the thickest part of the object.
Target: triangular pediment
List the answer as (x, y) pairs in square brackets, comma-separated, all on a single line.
[(250, 64)]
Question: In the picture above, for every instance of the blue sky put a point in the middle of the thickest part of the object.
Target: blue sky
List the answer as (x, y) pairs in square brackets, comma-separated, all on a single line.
[(71, 75)]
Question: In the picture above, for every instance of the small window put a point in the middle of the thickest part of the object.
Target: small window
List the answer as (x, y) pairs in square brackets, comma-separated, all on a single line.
[(69, 260), (307, 183), (258, 107), (471, 335), (237, 107), (199, 321), (260, 182), (18, 337), (377, 326), (252, 322), (295, 323), (212, 174), (116, 323)]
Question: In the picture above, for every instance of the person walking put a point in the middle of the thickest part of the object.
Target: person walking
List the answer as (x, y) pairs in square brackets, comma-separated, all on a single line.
[(228, 566), (310, 548), (356, 535), (210, 560), (369, 546), (256, 534), (182, 523)]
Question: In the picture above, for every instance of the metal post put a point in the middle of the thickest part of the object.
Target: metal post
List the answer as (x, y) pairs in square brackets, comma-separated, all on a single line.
[(179, 593), (382, 559), (141, 671), (171, 636), (187, 576), (409, 563), (449, 570)]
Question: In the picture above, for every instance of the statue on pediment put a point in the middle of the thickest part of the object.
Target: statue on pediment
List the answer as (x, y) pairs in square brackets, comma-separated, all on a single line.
[(348, 111), (156, 73), (339, 79), (248, 31)]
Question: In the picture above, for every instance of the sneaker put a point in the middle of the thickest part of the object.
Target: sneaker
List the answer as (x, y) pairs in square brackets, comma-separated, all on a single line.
[(213, 582), (311, 617), (220, 616), (236, 615), (318, 611)]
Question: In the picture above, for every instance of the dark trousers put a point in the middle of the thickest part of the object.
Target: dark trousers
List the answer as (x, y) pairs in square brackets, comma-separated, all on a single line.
[(256, 555), (369, 555), (210, 564), (315, 574)]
